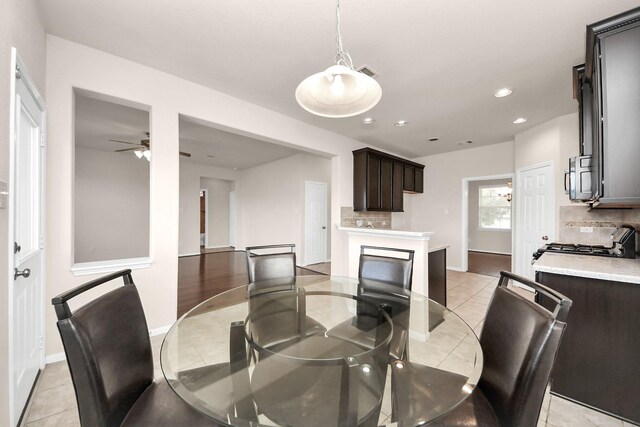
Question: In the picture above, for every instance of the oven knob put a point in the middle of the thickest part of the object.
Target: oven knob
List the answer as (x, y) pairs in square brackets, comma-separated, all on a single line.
[(545, 237)]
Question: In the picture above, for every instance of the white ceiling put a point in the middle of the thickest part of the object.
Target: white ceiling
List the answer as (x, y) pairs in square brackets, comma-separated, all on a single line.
[(439, 62)]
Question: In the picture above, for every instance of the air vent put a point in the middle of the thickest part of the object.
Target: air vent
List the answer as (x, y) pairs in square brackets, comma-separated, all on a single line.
[(368, 71)]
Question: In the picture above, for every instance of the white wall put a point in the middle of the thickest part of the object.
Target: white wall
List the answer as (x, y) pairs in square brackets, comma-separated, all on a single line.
[(72, 65), (555, 141), (439, 208), (271, 200), (498, 241), (20, 27), (111, 206), (217, 211)]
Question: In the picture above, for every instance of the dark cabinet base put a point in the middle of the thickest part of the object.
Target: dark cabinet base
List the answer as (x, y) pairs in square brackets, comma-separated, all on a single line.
[(438, 276), (598, 363)]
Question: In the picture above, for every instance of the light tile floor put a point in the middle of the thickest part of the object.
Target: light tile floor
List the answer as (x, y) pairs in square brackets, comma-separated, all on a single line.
[(468, 295)]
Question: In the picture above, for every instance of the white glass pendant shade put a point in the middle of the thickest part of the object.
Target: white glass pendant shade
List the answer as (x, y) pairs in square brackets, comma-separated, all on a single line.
[(138, 153), (338, 91), (147, 155)]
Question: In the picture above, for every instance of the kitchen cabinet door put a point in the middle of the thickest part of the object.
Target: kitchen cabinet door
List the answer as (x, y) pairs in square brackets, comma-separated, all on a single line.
[(386, 184), (398, 194)]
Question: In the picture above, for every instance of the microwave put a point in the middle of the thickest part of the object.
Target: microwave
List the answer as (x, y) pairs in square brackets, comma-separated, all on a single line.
[(578, 179)]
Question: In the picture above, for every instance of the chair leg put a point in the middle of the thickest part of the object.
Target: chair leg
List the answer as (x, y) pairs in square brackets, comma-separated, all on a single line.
[(243, 396)]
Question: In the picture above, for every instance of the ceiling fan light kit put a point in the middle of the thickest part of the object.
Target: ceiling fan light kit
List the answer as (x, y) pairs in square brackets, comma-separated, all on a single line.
[(340, 90)]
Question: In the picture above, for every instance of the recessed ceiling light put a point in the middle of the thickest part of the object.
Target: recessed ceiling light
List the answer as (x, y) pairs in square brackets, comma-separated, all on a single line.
[(433, 139), (519, 120), (501, 93), (401, 123), (468, 141), (368, 120)]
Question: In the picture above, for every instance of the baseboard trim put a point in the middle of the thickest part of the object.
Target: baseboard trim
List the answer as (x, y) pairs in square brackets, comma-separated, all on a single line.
[(159, 331), (490, 252), (58, 357), (458, 269)]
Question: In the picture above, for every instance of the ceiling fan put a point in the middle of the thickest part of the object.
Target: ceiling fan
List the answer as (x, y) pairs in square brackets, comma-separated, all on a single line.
[(141, 147)]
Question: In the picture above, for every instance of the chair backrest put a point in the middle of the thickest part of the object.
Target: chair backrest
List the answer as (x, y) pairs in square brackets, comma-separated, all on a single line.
[(394, 270), (108, 350), (271, 262), (519, 340)]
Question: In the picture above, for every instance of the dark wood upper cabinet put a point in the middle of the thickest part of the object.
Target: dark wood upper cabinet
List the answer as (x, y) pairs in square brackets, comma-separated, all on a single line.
[(379, 180)]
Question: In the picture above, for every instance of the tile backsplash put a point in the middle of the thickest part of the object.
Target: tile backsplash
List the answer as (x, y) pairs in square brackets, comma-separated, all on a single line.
[(603, 222), (351, 218)]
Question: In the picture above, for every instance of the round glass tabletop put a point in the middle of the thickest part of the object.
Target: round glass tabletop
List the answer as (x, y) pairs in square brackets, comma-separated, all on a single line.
[(319, 350)]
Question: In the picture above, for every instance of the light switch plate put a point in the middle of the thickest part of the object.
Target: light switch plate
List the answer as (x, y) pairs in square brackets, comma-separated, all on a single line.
[(4, 193)]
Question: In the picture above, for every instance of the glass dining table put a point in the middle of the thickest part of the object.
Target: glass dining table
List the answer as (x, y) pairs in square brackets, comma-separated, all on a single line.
[(318, 351)]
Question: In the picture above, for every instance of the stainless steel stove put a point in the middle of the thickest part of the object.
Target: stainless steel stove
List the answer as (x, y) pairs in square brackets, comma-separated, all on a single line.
[(623, 246)]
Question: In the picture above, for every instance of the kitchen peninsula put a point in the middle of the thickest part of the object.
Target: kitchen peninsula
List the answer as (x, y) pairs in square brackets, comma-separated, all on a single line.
[(428, 280)]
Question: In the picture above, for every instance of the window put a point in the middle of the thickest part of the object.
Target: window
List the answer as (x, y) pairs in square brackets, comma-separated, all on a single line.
[(494, 208)]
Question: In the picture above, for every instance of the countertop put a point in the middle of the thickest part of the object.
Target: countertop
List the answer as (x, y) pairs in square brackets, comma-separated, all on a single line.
[(419, 235), (595, 267)]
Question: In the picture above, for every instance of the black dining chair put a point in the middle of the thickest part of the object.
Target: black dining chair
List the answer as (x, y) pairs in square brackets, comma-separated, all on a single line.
[(395, 267), (108, 351), (385, 279), (271, 270), (268, 262), (519, 341)]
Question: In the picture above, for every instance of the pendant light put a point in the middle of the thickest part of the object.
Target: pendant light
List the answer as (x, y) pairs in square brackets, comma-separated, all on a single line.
[(340, 90)]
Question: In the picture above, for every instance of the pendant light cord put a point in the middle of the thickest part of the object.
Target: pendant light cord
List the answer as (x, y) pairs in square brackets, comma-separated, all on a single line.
[(342, 57)]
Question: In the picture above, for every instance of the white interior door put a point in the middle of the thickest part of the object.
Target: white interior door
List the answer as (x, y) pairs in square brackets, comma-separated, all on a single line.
[(536, 214), (27, 206), (315, 236)]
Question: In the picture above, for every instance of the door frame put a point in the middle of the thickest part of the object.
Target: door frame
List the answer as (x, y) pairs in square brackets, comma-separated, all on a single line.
[(465, 216), (518, 232), (206, 217), (17, 63), (307, 218)]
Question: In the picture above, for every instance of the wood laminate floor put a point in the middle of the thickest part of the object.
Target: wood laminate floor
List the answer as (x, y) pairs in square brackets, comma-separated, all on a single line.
[(488, 264), (202, 276)]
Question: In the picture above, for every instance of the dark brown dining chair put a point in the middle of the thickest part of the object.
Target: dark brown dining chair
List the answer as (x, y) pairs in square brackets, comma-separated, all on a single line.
[(519, 341), (385, 279), (394, 268), (271, 270), (271, 262), (108, 351)]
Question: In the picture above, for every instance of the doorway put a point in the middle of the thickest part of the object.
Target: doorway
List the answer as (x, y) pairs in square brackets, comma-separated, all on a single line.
[(487, 224), (203, 219), (26, 230), (315, 220)]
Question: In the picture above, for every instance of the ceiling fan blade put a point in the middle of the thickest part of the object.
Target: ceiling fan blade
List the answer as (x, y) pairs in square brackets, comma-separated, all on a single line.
[(129, 149), (182, 153), (123, 142)]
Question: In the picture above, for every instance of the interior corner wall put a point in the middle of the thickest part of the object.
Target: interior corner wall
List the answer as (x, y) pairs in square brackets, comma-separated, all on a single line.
[(439, 208), (190, 184), (71, 65), (271, 200), (485, 240), (111, 207), (20, 27), (217, 211)]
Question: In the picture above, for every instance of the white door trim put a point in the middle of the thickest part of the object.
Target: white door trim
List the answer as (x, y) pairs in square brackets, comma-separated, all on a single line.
[(206, 218), (16, 63), (465, 216), (517, 213), (307, 220)]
